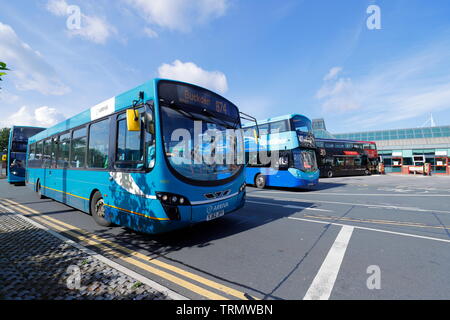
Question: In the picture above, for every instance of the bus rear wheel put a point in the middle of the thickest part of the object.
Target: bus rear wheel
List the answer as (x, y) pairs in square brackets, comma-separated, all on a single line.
[(260, 181), (39, 191), (98, 210)]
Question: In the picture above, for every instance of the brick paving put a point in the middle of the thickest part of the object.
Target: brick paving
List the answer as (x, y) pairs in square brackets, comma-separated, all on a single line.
[(35, 265)]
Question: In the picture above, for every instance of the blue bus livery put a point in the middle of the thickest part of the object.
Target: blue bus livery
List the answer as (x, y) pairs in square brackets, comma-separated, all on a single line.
[(284, 153), (17, 149), (120, 160)]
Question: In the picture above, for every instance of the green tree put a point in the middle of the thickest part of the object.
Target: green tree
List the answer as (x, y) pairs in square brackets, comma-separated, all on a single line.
[(4, 139), (2, 68)]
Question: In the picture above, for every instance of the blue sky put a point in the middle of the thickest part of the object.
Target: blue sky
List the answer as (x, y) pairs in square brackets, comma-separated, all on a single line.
[(269, 57)]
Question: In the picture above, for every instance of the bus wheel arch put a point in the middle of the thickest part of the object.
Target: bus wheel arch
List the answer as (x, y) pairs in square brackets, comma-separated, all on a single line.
[(97, 209)]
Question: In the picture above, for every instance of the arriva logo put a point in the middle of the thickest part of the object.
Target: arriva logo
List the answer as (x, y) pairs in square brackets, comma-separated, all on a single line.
[(217, 207)]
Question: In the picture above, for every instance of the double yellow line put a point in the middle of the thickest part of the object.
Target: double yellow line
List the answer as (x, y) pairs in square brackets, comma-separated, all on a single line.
[(137, 259)]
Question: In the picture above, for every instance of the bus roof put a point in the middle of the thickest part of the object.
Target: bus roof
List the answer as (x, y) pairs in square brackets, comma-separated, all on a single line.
[(31, 127), (337, 140), (104, 108), (275, 119), (109, 106)]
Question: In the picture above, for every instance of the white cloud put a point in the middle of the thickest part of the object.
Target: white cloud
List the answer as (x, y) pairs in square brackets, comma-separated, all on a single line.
[(332, 74), (338, 94), (405, 88), (92, 28), (179, 15), (41, 117), (190, 72), (57, 7), (150, 32), (29, 70)]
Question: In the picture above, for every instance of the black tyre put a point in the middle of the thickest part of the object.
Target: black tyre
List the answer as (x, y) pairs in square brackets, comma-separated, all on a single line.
[(330, 174), (39, 191), (260, 181), (98, 210), (367, 172)]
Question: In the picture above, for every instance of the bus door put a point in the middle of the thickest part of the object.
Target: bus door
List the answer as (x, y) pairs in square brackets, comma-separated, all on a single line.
[(339, 165), (47, 178)]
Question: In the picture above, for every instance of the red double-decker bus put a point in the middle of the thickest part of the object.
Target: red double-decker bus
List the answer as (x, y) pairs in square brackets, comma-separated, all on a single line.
[(371, 151)]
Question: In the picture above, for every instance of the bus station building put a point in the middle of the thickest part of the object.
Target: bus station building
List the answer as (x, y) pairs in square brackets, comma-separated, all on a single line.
[(402, 150)]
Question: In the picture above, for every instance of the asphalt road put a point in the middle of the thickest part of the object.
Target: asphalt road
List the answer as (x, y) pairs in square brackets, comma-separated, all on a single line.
[(377, 237)]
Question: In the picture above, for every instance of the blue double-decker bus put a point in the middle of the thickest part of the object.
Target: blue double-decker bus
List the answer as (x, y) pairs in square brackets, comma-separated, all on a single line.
[(139, 159), (17, 150), (280, 152)]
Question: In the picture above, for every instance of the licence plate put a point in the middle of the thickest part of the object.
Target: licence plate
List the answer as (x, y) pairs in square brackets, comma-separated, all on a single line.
[(215, 215)]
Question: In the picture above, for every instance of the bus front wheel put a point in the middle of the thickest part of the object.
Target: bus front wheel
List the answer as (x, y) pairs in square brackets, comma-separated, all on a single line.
[(260, 181), (98, 210)]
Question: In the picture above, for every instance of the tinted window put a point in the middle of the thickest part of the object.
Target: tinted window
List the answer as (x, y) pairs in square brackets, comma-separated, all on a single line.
[(63, 151), (47, 157), (279, 126), (39, 154), (98, 145), (301, 124), (264, 129), (130, 148), (78, 155)]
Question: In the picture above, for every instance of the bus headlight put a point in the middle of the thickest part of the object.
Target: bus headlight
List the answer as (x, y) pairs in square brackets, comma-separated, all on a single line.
[(242, 188)]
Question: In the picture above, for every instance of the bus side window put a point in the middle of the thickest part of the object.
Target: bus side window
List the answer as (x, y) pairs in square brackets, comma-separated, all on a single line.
[(47, 154), (78, 154), (150, 137), (129, 151), (32, 155), (98, 145), (63, 151), (39, 154)]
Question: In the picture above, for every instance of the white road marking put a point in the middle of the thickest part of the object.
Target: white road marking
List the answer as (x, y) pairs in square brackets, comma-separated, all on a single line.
[(353, 194), (354, 204), (289, 206), (372, 229), (323, 283)]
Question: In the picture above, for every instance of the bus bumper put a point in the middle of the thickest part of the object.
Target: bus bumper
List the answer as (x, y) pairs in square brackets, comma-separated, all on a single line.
[(214, 210)]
